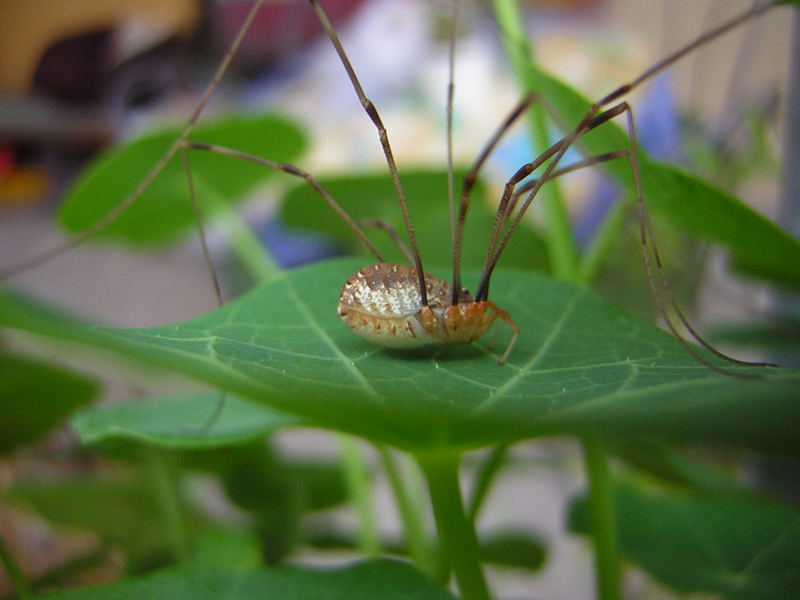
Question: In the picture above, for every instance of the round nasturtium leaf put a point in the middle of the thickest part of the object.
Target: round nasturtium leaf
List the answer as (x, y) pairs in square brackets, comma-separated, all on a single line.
[(580, 366), (164, 210)]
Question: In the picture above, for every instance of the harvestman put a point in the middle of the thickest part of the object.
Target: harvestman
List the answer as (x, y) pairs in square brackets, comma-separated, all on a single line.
[(402, 306)]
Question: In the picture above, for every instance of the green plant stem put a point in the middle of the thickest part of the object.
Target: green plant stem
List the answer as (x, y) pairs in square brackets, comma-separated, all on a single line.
[(456, 532), (483, 480), (262, 267), (15, 576), (244, 244), (561, 245), (356, 477), (601, 519), (602, 242), (165, 484), (413, 523)]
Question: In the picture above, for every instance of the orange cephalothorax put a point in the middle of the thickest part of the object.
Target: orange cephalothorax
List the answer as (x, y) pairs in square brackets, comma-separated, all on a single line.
[(382, 304)]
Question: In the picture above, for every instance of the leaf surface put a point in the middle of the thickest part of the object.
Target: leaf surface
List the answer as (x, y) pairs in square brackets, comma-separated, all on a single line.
[(740, 547), (177, 422), (35, 397), (376, 579), (580, 365)]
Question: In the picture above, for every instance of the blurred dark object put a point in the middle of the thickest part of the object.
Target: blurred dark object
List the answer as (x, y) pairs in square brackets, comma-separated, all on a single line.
[(66, 75), (20, 183), (279, 29), (69, 74), (77, 36), (74, 76)]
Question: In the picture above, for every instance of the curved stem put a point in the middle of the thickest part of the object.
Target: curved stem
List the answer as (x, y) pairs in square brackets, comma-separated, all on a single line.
[(357, 480), (413, 522), (456, 532), (601, 519), (486, 473), (165, 484)]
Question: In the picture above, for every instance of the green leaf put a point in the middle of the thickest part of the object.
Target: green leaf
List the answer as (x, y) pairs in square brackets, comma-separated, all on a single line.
[(226, 548), (164, 211), (671, 466), (780, 337), (514, 549), (740, 547), (278, 492), (35, 397), (580, 365), (255, 480), (321, 484), (176, 422), (756, 244), (375, 579), (506, 548), (121, 510), (372, 196)]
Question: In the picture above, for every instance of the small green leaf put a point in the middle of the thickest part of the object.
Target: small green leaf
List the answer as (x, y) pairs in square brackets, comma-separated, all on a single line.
[(369, 580), (35, 397), (509, 549), (228, 548), (580, 365), (176, 422), (322, 484), (739, 547), (372, 196), (164, 210), (514, 549)]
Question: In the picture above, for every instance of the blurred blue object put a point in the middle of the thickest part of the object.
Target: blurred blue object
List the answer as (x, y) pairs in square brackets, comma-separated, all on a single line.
[(290, 248), (657, 123), (657, 127)]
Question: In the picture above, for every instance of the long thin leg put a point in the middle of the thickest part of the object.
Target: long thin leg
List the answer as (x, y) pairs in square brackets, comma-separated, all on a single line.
[(499, 313), (582, 164), (469, 182), (451, 87), (757, 9), (589, 118), (554, 153), (126, 202), (296, 172), (201, 229), (390, 231), (655, 278), (206, 426), (372, 112), (506, 209)]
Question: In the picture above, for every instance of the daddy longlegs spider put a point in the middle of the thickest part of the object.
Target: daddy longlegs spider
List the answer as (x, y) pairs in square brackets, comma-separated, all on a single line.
[(402, 306)]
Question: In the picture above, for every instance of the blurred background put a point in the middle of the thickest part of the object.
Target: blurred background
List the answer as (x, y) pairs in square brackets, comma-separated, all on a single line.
[(78, 77)]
